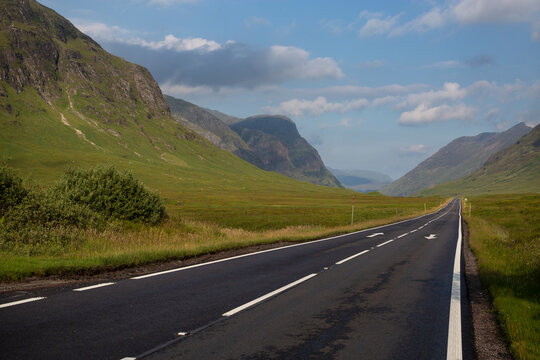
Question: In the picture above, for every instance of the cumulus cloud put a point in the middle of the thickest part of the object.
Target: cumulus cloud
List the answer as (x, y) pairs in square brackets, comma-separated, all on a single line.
[(464, 12), (198, 63), (320, 105), (423, 114), (449, 92)]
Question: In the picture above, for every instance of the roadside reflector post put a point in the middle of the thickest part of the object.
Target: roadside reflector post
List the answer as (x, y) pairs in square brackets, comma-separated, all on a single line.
[(352, 212)]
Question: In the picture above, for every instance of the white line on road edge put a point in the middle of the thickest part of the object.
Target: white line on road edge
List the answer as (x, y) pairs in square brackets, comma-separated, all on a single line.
[(384, 243), (21, 302), (264, 297), (351, 257), (454, 350), (279, 248), (94, 286)]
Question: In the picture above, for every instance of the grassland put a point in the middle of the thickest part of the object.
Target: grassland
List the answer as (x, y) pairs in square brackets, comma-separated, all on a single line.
[(505, 237), (258, 220)]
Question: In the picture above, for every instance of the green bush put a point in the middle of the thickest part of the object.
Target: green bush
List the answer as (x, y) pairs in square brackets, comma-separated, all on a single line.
[(111, 193), (12, 191)]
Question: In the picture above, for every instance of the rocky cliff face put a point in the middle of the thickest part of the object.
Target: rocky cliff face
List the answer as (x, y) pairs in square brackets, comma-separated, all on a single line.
[(269, 142), (42, 50), (276, 141)]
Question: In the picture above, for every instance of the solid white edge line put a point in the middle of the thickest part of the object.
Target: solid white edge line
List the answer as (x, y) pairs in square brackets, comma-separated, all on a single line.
[(94, 286), (276, 249), (351, 257), (264, 297), (454, 350), (384, 243), (13, 303)]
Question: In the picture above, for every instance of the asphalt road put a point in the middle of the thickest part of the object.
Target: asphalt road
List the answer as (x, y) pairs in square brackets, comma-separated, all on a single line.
[(357, 296)]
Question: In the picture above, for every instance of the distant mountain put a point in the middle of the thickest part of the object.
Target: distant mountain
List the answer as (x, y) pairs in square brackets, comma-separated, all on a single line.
[(279, 146), (269, 142), (212, 128), (459, 158), (362, 180), (227, 119), (515, 169)]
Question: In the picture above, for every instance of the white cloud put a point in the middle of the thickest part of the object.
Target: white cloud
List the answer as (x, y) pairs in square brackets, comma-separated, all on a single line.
[(414, 150), (320, 105), (377, 25), (496, 11), (299, 64), (103, 32), (99, 31), (464, 12), (449, 92), (195, 62), (171, 42), (423, 114)]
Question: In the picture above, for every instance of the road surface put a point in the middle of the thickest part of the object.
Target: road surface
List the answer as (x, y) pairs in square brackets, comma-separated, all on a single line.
[(394, 292)]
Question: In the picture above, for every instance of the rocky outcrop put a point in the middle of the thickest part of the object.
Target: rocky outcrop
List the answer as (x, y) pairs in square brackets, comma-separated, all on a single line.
[(277, 142), (42, 50)]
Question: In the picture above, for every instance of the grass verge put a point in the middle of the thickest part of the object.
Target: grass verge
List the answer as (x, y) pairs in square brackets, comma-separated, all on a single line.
[(505, 237), (125, 244)]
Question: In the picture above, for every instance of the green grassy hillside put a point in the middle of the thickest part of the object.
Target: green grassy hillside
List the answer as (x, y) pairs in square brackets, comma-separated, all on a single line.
[(515, 169), (461, 157)]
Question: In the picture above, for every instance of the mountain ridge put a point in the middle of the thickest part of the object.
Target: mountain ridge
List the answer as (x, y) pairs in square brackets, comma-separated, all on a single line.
[(459, 158), (514, 169)]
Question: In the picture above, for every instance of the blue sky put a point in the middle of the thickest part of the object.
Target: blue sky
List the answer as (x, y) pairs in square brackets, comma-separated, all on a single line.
[(375, 85)]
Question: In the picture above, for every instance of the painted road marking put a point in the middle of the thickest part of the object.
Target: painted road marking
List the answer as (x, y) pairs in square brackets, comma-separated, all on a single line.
[(278, 248), (21, 302), (454, 350), (94, 286), (402, 235), (269, 295), (384, 243), (431, 236), (128, 358), (351, 257), (376, 234)]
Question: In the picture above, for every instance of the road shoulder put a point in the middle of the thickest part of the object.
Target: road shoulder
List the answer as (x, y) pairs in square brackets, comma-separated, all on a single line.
[(489, 343)]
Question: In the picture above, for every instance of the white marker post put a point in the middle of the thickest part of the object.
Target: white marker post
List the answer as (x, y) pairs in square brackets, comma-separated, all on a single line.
[(352, 212)]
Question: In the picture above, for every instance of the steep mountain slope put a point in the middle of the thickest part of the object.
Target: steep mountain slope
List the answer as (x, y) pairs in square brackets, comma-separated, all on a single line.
[(227, 119), (515, 169), (459, 158), (276, 141), (64, 101), (362, 180), (211, 128)]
